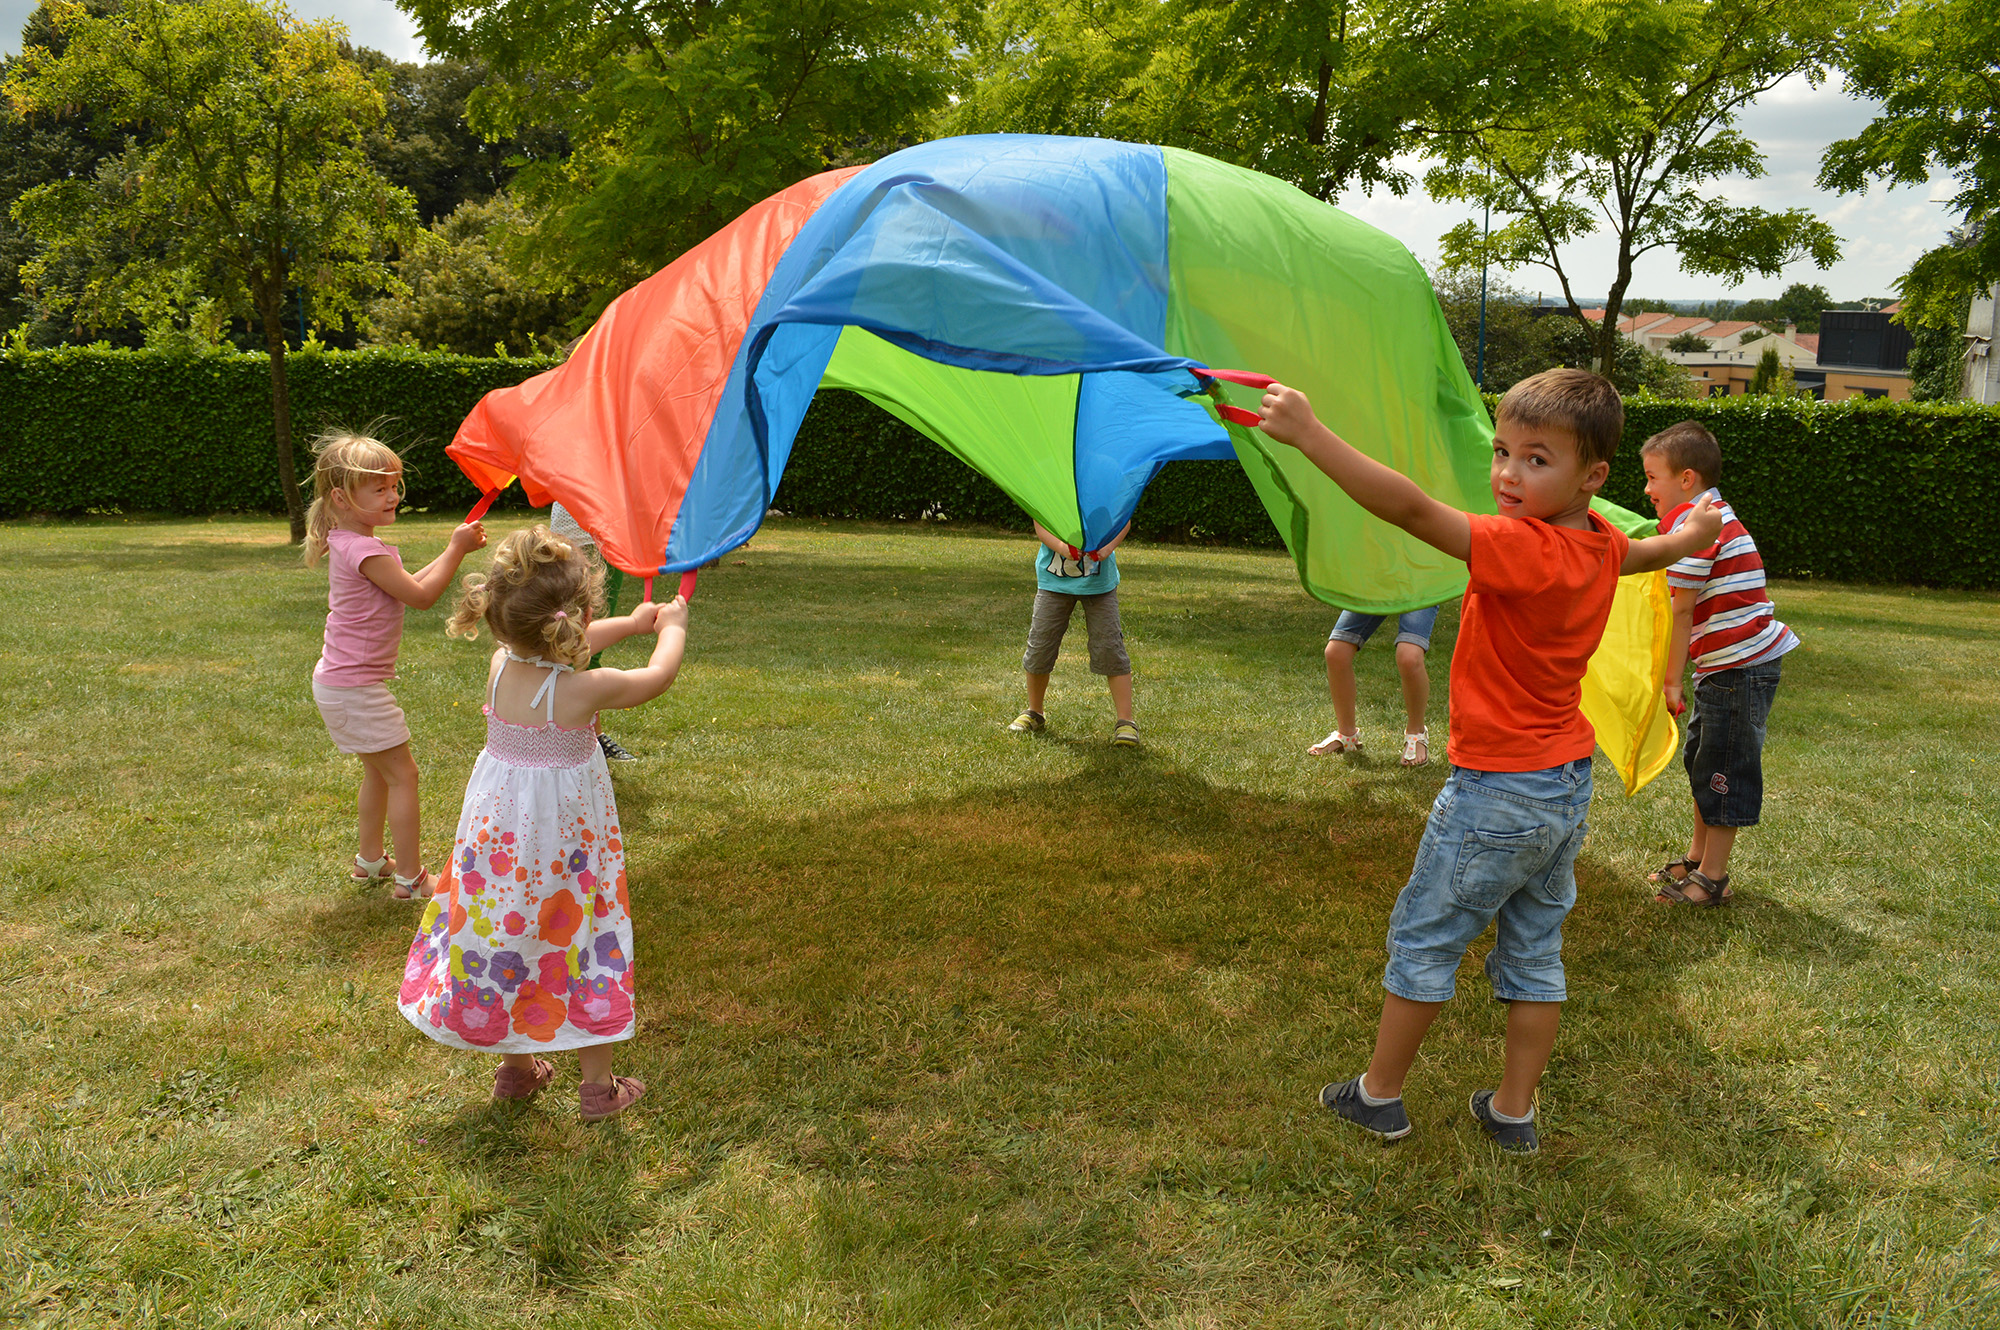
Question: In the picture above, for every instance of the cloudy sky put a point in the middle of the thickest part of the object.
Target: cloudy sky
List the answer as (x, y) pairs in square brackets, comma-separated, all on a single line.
[(1881, 231)]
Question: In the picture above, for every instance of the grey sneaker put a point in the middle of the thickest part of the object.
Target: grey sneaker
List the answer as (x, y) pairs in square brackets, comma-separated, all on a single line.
[(1514, 1137), (1029, 722), (1388, 1121), (615, 751)]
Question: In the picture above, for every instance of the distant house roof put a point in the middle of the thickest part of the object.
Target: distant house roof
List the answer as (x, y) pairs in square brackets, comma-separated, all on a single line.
[(1893, 308), (1643, 322), (1674, 327), (1726, 328), (1808, 341), (1596, 316)]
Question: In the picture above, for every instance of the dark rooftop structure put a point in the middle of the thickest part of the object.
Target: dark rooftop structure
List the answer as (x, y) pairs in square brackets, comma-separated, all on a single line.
[(1863, 339)]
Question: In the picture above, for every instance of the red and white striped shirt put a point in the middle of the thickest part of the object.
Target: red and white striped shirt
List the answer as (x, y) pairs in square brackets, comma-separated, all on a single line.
[(1733, 620)]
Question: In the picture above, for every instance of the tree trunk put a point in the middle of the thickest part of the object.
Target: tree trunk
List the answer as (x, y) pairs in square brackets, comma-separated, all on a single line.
[(1614, 302), (272, 312)]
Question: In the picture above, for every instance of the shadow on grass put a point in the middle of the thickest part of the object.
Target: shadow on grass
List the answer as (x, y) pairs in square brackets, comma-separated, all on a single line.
[(1120, 989)]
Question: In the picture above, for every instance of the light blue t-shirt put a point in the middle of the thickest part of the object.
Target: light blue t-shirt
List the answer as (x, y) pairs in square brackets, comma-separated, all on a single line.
[(1055, 572)]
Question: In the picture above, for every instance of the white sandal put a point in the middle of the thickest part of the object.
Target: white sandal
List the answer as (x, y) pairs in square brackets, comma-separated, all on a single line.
[(365, 871), (1410, 742), (1337, 743), (416, 887)]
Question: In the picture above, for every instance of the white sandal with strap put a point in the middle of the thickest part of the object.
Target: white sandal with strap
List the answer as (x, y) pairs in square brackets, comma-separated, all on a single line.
[(365, 871), (1410, 743), (416, 887), (1337, 743)]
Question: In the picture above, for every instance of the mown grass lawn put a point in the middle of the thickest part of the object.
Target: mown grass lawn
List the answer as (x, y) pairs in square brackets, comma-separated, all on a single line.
[(946, 1026)]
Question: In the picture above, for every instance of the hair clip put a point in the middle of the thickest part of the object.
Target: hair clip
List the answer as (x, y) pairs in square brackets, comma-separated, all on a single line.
[(562, 614)]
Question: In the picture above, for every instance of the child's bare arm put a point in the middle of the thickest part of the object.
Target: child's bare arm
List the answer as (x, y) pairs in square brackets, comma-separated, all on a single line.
[(614, 689), (1383, 491), (1696, 534), (1054, 542), (1112, 543), (420, 590), (604, 632), (1677, 647)]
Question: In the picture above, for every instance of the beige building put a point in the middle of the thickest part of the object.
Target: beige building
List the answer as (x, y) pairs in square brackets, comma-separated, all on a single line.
[(1729, 364)]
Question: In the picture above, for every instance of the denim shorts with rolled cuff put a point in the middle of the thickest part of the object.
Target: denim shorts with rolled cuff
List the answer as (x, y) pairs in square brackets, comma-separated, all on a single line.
[(1500, 848), (1413, 626), (1724, 756)]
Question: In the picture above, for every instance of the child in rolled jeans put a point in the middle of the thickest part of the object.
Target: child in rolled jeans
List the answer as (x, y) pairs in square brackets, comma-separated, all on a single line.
[(1722, 615), (1500, 847), (1413, 646)]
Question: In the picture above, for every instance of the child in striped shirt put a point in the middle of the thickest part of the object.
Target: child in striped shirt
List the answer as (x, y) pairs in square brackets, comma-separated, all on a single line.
[(1722, 619)]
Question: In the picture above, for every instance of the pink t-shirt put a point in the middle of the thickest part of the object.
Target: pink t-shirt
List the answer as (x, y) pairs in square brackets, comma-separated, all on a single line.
[(364, 623)]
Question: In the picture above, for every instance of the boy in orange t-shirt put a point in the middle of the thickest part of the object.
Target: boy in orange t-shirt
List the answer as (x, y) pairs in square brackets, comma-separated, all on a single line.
[(1501, 843)]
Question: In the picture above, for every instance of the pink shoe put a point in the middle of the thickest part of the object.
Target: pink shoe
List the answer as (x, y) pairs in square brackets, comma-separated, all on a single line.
[(598, 1102), (513, 1083)]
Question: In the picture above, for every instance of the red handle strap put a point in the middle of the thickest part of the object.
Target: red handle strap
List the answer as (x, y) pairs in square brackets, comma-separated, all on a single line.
[(687, 586), (1244, 377), (479, 509), (1236, 415)]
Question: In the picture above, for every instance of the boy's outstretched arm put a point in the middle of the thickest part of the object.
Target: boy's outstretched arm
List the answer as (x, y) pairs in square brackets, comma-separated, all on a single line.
[(1383, 491), (1696, 534)]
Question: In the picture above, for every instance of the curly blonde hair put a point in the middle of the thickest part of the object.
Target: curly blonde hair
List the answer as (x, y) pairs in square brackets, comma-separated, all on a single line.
[(343, 460), (536, 597)]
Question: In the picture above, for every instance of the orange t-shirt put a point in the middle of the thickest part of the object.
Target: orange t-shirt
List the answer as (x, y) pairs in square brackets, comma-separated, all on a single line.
[(1534, 610)]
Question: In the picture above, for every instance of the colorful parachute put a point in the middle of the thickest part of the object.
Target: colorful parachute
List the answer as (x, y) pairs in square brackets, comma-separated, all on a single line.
[(1042, 307)]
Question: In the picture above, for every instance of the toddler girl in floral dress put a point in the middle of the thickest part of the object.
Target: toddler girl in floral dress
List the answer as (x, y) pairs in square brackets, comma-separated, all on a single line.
[(527, 945)]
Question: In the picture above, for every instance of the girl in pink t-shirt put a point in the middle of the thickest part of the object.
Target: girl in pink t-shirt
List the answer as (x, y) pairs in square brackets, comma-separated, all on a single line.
[(357, 487)]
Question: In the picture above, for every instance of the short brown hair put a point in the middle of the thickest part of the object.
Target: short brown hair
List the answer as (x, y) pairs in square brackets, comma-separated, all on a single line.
[(1574, 400), (1688, 446)]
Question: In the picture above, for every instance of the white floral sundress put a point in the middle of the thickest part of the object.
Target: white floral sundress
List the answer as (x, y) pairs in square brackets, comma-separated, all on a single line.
[(526, 945)]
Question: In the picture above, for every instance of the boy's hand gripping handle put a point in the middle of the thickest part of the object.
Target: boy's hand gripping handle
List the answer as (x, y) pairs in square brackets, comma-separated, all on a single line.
[(1236, 415)]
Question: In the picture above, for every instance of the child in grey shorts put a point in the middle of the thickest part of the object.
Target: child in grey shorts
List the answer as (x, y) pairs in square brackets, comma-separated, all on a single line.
[(1063, 582)]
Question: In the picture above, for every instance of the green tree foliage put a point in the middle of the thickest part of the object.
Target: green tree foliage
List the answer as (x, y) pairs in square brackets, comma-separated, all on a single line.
[(680, 115), (34, 150), (1517, 339), (1935, 67), (1802, 304), (1688, 343), (1323, 93), (427, 145), (461, 295), (1633, 138), (1772, 377), (1937, 355), (255, 185)]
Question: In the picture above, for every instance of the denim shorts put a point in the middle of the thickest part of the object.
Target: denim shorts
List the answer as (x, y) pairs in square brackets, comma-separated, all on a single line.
[(1725, 743), (1500, 848), (1413, 626)]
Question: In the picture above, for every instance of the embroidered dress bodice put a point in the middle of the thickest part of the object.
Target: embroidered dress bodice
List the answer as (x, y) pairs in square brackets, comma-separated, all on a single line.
[(545, 745)]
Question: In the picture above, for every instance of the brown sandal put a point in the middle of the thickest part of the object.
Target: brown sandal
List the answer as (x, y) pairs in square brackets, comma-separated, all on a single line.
[(598, 1102), (1665, 872), (513, 1083), (1715, 890)]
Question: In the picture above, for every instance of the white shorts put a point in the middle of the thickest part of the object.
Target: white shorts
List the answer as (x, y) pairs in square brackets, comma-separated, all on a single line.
[(361, 720)]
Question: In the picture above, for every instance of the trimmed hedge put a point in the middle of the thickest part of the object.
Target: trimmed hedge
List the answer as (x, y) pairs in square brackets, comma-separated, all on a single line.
[(1859, 490)]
